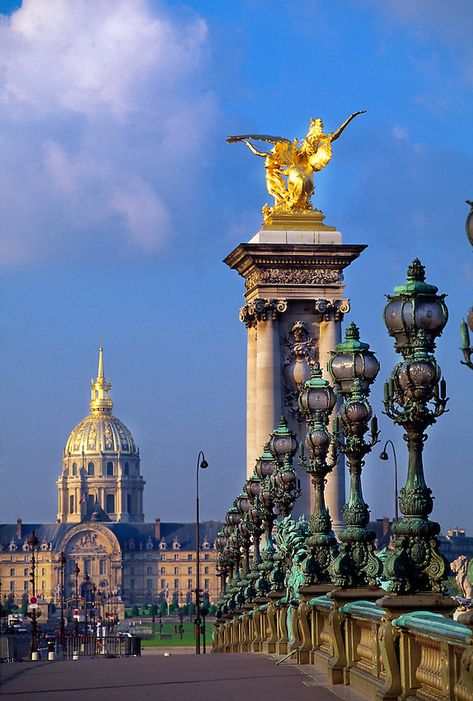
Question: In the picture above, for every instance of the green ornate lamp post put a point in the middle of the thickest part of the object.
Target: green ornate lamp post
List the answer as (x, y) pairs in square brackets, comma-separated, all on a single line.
[(316, 402), (414, 397), (266, 466), (353, 368), (283, 445), (257, 586)]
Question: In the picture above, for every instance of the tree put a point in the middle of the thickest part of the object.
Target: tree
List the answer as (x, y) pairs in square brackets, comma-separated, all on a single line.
[(134, 610), (153, 610)]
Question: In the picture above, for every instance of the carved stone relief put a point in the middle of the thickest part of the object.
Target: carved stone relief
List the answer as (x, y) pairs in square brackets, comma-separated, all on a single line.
[(300, 354), (293, 276), (261, 310), (331, 309)]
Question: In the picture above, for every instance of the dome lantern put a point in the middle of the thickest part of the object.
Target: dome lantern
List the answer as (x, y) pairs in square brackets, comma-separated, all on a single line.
[(100, 392)]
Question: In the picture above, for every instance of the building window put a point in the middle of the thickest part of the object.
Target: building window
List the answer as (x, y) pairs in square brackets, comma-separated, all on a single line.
[(43, 586), (110, 504), (74, 469), (12, 572), (176, 584), (162, 570), (149, 570), (176, 557), (86, 567), (128, 503), (206, 570), (126, 469), (102, 566), (176, 570), (163, 584), (43, 571), (90, 502), (90, 469), (26, 572), (12, 586), (149, 584), (71, 504), (207, 583), (190, 556), (189, 570), (189, 583), (132, 583), (25, 585), (109, 469), (206, 557)]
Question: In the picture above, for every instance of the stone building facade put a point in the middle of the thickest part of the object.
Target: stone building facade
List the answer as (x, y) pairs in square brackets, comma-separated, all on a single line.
[(100, 528)]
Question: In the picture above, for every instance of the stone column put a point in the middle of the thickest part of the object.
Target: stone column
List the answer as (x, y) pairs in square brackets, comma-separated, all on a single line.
[(268, 381), (331, 334), (251, 394)]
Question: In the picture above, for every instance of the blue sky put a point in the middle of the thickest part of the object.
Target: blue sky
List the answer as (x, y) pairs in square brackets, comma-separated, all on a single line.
[(120, 198)]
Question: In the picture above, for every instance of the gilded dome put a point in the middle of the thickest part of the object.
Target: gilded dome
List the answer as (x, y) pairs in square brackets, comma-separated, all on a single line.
[(100, 433)]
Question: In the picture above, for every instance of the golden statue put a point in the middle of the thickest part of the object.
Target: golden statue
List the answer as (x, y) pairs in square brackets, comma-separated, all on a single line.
[(297, 162)]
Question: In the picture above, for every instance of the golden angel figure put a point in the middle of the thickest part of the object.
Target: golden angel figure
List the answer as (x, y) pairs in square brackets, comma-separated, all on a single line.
[(290, 165)]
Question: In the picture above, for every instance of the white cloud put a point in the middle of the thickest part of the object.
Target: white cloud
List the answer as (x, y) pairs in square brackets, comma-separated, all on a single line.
[(400, 133), (102, 106)]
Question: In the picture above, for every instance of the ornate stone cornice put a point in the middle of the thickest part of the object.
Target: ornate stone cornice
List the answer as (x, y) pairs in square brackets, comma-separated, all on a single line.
[(332, 309), (301, 267), (261, 310), (293, 276)]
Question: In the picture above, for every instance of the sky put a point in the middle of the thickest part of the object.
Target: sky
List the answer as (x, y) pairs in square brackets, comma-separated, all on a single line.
[(119, 199)]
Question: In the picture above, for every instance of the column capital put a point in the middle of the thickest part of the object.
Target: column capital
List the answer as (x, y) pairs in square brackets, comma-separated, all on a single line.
[(262, 310), (332, 310)]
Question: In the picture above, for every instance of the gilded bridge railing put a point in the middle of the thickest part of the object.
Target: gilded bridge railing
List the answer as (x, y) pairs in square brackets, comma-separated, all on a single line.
[(419, 655)]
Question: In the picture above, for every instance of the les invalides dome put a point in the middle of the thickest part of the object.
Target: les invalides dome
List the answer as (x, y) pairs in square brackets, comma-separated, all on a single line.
[(100, 479)]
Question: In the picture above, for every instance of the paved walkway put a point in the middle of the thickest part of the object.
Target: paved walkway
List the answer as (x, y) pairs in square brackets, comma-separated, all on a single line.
[(174, 678)]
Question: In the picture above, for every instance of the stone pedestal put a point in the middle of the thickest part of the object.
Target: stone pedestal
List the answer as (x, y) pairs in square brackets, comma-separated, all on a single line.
[(293, 271)]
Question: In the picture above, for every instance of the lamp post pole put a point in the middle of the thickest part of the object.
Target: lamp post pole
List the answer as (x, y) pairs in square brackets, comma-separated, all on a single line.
[(62, 563), (201, 464), (76, 574), (33, 544), (384, 456)]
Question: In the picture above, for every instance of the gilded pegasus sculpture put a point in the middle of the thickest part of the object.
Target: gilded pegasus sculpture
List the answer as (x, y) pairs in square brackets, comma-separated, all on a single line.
[(290, 165)]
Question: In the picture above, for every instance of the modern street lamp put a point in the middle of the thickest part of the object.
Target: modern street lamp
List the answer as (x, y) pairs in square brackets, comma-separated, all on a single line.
[(33, 544), (76, 617), (201, 464), (62, 563), (86, 588), (467, 326), (384, 456)]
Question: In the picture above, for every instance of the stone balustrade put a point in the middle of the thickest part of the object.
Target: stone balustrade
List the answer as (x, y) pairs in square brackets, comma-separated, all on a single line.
[(418, 655)]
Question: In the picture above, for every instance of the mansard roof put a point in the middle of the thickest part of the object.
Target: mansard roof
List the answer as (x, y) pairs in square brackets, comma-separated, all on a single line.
[(131, 536)]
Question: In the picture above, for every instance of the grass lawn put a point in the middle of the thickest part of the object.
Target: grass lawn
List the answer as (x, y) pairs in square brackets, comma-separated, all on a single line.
[(188, 637)]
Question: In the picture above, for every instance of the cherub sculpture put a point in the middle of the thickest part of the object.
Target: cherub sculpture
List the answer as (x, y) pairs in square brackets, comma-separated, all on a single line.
[(297, 162)]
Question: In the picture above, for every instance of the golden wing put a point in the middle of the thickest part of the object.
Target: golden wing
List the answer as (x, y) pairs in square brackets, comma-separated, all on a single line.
[(258, 137)]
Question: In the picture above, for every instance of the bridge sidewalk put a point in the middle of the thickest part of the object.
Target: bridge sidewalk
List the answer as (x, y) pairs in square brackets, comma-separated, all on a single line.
[(175, 678)]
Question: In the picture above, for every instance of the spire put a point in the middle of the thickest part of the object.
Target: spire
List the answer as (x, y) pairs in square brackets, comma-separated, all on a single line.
[(100, 375), (100, 394)]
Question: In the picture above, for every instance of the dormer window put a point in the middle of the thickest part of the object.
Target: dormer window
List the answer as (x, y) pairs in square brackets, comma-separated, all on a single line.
[(90, 469), (162, 544)]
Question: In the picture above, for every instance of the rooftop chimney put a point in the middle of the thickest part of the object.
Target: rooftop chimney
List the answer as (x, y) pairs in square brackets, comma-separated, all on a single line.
[(157, 528), (18, 528)]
